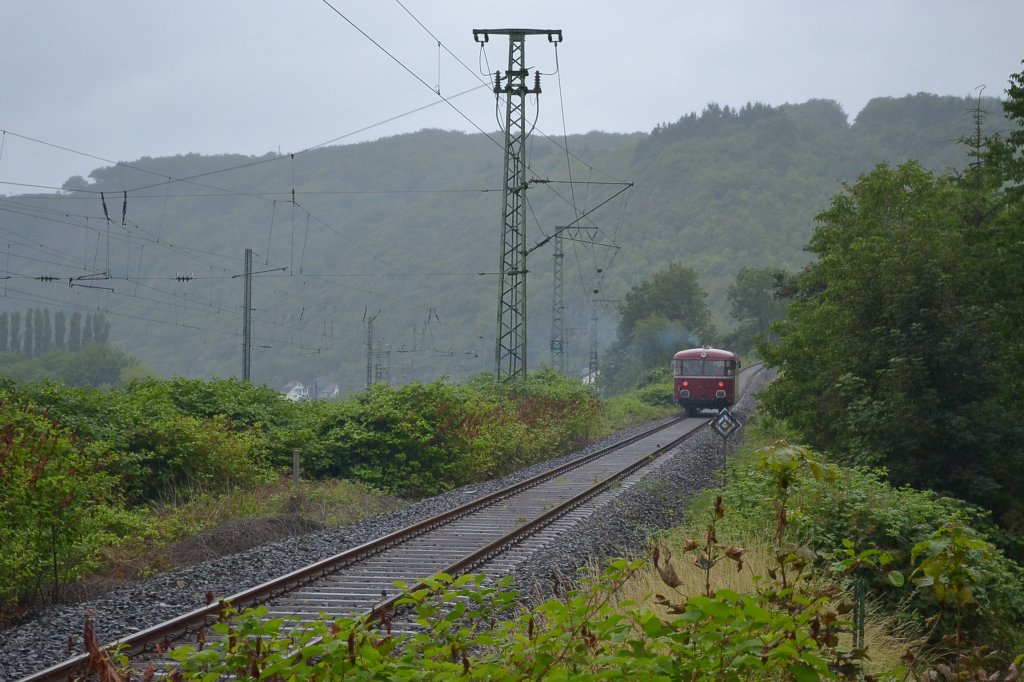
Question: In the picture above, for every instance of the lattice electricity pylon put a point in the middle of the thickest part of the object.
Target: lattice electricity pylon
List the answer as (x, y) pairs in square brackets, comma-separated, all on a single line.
[(557, 309), (592, 366), (510, 339)]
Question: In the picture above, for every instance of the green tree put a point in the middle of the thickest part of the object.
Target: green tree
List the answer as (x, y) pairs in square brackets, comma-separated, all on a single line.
[(755, 303), (15, 344), (56, 507), (27, 342), (673, 294), (660, 315), (75, 332), (1013, 107), (59, 329), (88, 337), (891, 352), (100, 328), (47, 332), (95, 365)]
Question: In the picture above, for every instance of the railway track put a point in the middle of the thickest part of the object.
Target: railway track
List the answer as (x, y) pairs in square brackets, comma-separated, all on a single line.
[(480, 534)]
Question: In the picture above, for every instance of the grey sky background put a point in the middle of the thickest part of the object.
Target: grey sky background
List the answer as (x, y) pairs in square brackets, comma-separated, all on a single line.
[(123, 79)]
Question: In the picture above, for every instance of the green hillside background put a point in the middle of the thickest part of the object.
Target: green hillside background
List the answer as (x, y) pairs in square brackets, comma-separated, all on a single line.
[(405, 231)]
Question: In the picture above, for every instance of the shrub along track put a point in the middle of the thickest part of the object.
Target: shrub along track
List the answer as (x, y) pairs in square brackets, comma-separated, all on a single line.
[(360, 580)]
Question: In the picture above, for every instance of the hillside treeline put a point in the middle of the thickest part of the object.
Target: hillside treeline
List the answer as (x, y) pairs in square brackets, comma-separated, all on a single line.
[(403, 231)]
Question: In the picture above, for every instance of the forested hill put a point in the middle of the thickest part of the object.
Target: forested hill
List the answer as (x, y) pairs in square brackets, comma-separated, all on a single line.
[(404, 232)]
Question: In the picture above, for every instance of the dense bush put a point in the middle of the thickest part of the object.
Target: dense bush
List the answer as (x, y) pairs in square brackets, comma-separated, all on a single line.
[(58, 508), (860, 507), (656, 395), (421, 439)]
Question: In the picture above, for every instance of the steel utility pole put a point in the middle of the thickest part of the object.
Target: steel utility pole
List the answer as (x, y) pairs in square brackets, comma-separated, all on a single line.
[(510, 340), (247, 318), (369, 349)]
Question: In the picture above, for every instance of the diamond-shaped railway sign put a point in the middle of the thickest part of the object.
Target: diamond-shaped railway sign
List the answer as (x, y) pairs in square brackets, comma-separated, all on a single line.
[(725, 424)]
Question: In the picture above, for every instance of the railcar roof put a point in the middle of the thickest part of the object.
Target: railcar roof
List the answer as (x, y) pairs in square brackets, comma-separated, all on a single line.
[(712, 353)]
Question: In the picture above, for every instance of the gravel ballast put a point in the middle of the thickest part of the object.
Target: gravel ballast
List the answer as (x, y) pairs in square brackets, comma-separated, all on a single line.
[(619, 528)]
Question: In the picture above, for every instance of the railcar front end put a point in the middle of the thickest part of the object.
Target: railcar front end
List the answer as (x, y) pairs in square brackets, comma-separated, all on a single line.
[(704, 379)]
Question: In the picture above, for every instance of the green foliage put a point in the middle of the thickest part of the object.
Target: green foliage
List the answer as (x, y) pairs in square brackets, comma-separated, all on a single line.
[(464, 634), (178, 452), (672, 294), (421, 439), (628, 409), (660, 316), (244, 407), (830, 510), (57, 508), (902, 344), (97, 365), (658, 394), (896, 348), (755, 304), (949, 564)]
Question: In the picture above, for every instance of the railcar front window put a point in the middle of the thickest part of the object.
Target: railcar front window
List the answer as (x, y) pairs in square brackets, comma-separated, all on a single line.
[(715, 368), (692, 368), (699, 367)]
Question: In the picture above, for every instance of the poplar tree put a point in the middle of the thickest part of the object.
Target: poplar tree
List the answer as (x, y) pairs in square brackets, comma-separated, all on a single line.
[(15, 345), (26, 338), (100, 328), (47, 331), (38, 332), (59, 330), (75, 333), (87, 338)]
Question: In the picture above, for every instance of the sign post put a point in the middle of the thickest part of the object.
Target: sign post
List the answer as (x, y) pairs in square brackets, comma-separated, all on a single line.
[(725, 425)]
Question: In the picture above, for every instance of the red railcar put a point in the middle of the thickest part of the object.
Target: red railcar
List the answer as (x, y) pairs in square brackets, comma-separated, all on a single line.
[(704, 379)]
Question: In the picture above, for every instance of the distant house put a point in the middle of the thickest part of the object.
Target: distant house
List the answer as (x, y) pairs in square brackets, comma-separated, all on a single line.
[(295, 391)]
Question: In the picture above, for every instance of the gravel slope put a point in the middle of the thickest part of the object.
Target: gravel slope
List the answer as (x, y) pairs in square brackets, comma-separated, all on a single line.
[(620, 528)]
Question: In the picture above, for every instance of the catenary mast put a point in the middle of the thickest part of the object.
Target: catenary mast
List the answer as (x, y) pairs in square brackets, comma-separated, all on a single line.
[(510, 339)]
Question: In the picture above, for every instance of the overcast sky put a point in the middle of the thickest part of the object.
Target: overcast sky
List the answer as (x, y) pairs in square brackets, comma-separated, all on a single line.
[(122, 79)]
